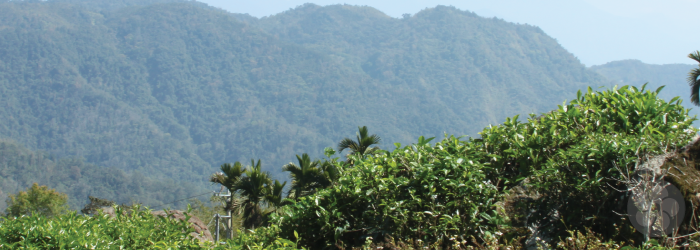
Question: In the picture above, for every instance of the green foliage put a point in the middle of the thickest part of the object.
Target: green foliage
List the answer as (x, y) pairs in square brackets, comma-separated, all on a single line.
[(636, 73), (37, 200), (363, 143), (261, 238), (589, 240), (567, 156), (694, 79), (459, 190), (136, 230), (416, 192), (255, 187), (20, 167), (309, 176)]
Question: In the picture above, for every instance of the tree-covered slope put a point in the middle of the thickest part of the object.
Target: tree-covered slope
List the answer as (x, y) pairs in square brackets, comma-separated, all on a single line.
[(173, 90), (468, 70), (20, 167), (636, 73)]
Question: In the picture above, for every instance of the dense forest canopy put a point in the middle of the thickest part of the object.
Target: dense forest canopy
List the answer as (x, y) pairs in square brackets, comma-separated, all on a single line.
[(20, 167)]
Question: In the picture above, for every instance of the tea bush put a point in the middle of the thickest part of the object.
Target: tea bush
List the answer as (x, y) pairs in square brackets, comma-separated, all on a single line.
[(136, 230), (421, 192), (566, 159), (560, 165)]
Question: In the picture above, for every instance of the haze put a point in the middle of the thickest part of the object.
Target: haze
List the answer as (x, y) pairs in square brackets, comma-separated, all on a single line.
[(595, 31)]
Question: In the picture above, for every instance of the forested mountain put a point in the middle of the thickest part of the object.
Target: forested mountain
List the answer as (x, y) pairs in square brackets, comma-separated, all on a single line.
[(467, 70), (636, 73), (173, 89)]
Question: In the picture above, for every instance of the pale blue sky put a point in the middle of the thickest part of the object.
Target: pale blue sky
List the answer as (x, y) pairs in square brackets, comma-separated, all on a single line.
[(595, 31)]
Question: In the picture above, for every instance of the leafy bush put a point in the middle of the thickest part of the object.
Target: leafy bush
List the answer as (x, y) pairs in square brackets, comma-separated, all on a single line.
[(565, 159), (517, 176), (37, 199), (261, 238), (421, 192), (136, 230)]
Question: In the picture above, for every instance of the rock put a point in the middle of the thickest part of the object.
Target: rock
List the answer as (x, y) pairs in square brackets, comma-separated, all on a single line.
[(201, 230)]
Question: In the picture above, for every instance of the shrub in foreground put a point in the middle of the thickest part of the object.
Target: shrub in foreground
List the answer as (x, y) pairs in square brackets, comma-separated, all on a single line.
[(138, 229), (518, 178)]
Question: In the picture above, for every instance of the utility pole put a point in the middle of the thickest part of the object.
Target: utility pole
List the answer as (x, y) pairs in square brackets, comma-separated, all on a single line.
[(229, 201), (217, 216)]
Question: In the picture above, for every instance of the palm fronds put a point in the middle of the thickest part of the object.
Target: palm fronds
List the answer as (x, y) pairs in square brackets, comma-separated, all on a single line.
[(363, 143), (694, 79)]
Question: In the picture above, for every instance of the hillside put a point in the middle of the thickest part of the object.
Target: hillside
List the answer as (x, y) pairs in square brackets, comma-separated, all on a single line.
[(467, 70), (20, 167), (174, 89), (636, 73)]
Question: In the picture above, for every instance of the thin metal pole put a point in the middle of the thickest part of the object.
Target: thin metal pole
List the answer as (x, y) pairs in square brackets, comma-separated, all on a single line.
[(230, 218), (217, 228), (230, 215)]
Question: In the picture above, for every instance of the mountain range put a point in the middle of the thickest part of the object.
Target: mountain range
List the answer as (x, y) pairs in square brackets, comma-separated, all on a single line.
[(172, 89)]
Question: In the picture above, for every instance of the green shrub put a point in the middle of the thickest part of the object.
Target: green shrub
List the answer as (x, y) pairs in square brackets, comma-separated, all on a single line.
[(136, 230), (435, 194), (562, 163), (566, 159), (260, 238), (37, 199)]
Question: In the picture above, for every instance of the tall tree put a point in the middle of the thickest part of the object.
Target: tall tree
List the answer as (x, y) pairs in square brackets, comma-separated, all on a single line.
[(39, 200), (363, 143), (254, 188), (694, 79), (228, 177)]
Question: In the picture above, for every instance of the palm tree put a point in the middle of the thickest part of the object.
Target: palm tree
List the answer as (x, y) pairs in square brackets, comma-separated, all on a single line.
[(306, 177), (228, 177), (363, 143), (694, 80), (254, 187), (230, 174)]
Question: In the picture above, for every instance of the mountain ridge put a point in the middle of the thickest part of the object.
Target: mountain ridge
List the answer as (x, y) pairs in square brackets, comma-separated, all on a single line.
[(173, 90)]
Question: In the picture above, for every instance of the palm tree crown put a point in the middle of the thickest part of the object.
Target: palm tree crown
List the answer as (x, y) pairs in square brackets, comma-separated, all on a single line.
[(694, 80), (306, 176), (230, 174), (363, 143)]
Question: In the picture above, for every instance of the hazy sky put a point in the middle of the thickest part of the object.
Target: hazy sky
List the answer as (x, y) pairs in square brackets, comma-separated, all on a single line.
[(595, 31)]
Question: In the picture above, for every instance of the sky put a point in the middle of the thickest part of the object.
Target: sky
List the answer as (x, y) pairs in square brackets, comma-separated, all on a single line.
[(595, 31)]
